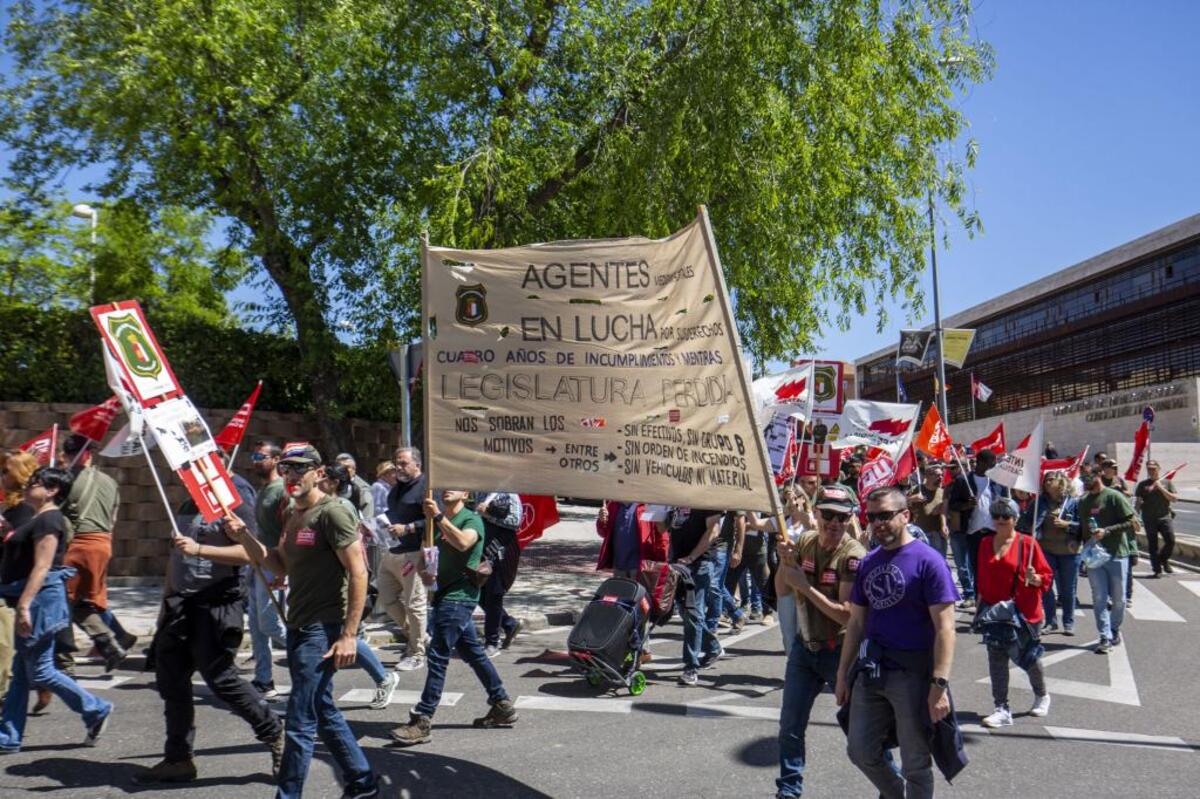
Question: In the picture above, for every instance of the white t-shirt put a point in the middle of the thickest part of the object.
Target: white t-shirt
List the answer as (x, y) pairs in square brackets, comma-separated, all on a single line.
[(981, 517)]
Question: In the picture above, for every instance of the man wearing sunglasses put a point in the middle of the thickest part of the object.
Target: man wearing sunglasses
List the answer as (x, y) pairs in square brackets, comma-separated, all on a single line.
[(265, 625), (902, 604), (819, 570), (319, 552)]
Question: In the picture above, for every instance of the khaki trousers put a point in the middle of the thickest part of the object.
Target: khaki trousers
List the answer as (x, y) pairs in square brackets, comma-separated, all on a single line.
[(403, 596)]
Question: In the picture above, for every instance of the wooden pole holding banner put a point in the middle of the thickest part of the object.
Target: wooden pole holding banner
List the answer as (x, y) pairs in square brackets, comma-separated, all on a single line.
[(427, 326), (714, 261), (225, 509)]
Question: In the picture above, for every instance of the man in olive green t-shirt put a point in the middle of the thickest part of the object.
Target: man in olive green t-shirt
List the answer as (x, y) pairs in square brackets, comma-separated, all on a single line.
[(270, 504), (320, 552), (1154, 497), (458, 535), (1107, 518)]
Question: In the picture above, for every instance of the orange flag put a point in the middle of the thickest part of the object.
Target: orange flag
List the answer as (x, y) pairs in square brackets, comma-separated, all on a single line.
[(933, 437)]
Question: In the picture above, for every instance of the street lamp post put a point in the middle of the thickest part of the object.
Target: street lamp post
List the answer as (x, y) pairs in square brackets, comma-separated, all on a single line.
[(85, 211)]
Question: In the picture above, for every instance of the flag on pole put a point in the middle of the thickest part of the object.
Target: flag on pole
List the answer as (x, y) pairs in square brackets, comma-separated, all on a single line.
[(913, 346), (96, 420), (1171, 474), (956, 343), (791, 390), (993, 441), (1141, 441), (901, 394), (232, 435), (933, 436), (979, 390), (124, 444), (886, 425), (537, 513), (43, 446), (1021, 468), (1069, 466)]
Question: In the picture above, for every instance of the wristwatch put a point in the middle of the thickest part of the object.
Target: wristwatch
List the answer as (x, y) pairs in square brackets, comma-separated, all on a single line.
[(940, 682)]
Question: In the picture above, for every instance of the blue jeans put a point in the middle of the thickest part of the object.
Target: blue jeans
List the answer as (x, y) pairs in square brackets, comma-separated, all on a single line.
[(311, 709), (369, 661), (453, 629), (789, 620), (1066, 581), (265, 625), (715, 599), (1108, 582), (696, 635), (962, 564), (806, 675), (33, 667)]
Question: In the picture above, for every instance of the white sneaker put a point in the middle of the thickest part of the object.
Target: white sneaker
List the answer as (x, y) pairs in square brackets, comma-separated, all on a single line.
[(1041, 707), (411, 663), (384, 691), (1002, 717), (491, 650)]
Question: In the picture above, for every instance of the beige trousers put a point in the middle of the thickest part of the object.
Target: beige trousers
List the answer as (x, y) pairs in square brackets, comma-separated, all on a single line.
[(403, 596)]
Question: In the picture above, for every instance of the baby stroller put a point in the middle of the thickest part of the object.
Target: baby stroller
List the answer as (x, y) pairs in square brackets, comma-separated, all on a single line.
[(606, 643)]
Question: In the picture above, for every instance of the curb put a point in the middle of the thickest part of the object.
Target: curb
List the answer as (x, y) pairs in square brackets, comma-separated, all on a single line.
[(1185, 551)]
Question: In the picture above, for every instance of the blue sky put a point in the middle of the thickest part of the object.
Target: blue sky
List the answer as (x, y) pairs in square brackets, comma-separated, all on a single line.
[(1088, 135), (1088, 138)]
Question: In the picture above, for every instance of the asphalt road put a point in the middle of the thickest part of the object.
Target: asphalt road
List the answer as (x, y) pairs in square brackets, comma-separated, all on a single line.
[(1122, 725)]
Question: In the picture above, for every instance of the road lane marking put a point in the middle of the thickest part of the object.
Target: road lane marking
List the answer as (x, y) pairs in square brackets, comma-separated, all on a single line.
[(101, 683), (732, 711), (574, 705), (1149, 607), (547, 631), (1121, 688), (1169, 742), (1191, 585), (361, 696)]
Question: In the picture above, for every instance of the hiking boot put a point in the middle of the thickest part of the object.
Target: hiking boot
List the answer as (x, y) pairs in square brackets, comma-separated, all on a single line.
[(111, 651), (511, 633), (1001, 717), (167, 771), (43, 701), (500, 714), (276, 746), (266, 689), (127, 641), (384, 691), (416, 731), (97, 729)]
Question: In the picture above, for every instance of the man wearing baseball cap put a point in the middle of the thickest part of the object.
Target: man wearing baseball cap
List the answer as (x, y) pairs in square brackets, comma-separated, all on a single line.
[(319, 552), (820, 570)]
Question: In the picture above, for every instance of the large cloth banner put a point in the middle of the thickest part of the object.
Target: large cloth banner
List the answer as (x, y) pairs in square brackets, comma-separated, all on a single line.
[(956, 343), (913, 346), (603, 369)]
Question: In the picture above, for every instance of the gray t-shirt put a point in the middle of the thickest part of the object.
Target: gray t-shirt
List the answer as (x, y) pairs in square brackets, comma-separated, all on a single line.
[(192, 574)]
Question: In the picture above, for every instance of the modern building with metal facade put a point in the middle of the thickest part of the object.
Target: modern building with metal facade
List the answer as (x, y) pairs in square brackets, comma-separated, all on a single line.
[(1125, 319)]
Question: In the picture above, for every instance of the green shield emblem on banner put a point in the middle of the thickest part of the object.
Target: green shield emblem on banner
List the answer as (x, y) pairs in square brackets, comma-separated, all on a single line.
[(134, 345), (471, 307)]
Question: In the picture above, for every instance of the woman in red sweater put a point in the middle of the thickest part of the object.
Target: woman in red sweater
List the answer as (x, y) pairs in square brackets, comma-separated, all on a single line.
[(1012, 566)]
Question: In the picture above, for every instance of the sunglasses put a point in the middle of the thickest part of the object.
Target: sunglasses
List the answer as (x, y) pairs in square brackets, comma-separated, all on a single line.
[(258, 457), (295, 468), (882, 515), (834, 516)]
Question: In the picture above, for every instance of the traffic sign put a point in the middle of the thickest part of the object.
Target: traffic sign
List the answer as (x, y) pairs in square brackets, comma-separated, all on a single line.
[(1148, 414)]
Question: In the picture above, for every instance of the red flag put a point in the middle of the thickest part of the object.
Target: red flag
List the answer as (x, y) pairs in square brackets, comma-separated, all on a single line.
[(993, 441), (95, 421), (537, 513), (906, 465), (819, 460), (42, 446), (1141, 440), (933, 436), (231, 436), (877, 472), (1171, 474), (1069, 465)]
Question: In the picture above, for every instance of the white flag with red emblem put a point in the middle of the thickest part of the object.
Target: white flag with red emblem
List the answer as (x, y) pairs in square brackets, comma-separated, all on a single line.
[(981, 392), (789, 391), (1022, 468), (888, 426)]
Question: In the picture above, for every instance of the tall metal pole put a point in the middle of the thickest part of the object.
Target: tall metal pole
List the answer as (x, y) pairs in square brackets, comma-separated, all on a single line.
[(937, 316)]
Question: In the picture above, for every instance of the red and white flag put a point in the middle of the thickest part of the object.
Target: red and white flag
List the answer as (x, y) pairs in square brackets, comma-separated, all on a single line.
[(933, 436), (1022, 468), (1141, 442), (886, 425), (993, 441), (1070, 466), (1171, 474), (820, 460), (43, 446), (979, 390), (96, 420), (792, 389), (232, 435), (537, 513)]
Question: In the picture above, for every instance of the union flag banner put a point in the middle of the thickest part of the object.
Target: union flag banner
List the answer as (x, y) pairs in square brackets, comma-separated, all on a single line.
[(790, 391), (1022, 468), (993, 441), (233, 433), (537, 513), (43, 446), (1141, 442), (96, 420), (933, 436), (1069, 466), (1171, 474), (886, 425), (522, 343)]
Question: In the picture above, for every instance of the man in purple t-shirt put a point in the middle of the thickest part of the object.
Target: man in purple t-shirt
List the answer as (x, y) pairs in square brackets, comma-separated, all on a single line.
[(902, 603)]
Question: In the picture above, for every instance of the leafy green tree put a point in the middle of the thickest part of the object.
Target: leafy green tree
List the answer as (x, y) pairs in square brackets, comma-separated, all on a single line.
[(332, 133)]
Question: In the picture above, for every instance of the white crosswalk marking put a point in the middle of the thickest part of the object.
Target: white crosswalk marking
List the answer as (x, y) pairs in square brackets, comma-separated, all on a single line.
[(1148, 607), (1160, 742), (1121, 688), (361, 696), (101, 683), (574, 705), (733, 711), (1191, 585)]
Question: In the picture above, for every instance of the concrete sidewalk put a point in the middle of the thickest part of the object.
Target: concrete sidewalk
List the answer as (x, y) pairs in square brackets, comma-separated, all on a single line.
[(557, 577)]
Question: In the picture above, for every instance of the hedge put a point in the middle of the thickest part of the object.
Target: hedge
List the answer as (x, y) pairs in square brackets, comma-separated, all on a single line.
[(53, 355)]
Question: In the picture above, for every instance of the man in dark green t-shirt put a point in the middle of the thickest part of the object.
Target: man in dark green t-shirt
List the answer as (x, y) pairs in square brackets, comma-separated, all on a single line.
[(320, 552), (1107, 518), (458, 534), (1154, 497), (265, 625)]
